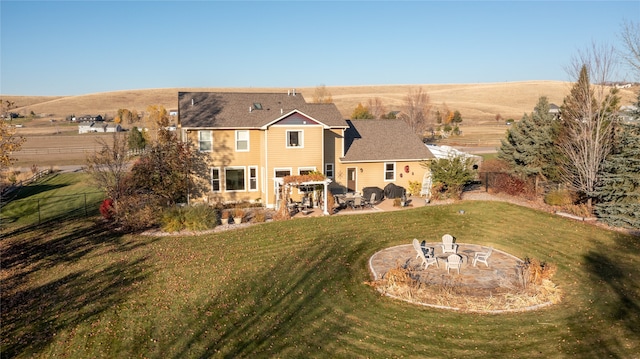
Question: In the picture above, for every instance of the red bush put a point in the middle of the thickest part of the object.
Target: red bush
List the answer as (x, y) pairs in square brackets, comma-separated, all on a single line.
[(106, 209)]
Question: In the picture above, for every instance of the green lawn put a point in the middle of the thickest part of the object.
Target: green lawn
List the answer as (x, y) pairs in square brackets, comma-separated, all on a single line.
[(60, 195), (297, 289)]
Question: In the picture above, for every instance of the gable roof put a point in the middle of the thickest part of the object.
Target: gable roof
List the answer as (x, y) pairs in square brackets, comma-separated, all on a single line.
[(382, 140), (249, 110)]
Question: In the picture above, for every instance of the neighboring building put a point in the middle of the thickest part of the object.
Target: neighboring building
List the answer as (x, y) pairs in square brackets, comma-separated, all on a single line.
[(88, 118), (256, 138), (90, 127)]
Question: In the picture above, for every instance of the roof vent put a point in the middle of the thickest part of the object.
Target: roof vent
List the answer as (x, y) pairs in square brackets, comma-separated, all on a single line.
[(250, 108), (288, 92), (192, 102), (294, 92), (281, 111)]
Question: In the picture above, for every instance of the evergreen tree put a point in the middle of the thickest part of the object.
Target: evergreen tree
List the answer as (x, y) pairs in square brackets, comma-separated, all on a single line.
[(136, 140), (529, 147), (618, 192)]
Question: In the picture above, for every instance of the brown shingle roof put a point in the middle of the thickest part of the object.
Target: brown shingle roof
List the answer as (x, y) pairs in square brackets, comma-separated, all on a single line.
[(383, 140), (232, 110)]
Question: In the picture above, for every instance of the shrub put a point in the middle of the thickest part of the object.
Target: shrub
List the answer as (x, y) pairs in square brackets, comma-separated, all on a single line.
[(199, 218), (106, 209), (511, 185), (260, 216), (561, 197), (136, 212), (173, 219), (536, 271), (415, 187)]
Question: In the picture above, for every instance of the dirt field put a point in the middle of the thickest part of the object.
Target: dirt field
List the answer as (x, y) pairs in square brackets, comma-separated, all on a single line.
[(53, 141)]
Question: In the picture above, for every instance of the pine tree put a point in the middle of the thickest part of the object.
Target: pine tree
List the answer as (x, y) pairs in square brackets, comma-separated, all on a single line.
[(530, 144), (618, 192)]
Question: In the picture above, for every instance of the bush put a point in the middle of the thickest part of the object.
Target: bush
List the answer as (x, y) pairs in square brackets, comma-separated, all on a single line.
[(173, 220), (136, 212), (200, 218), (260, 216), (561, 197), (415, 187), (511, 185), (106, 209), (193, 218)]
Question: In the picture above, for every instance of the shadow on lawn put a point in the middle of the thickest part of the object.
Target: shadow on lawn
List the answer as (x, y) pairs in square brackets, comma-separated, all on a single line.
[(612, 318), (33, 314), (258, 320)]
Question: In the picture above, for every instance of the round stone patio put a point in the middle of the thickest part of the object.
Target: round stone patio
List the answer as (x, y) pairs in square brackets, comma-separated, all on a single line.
[(503, 274)]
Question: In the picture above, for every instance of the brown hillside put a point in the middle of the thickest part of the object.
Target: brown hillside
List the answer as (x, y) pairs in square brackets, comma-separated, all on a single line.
[(478, 103)]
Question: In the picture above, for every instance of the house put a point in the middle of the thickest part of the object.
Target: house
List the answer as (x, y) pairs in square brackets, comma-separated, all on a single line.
[(88, 118), (91, 126), (256, 139)]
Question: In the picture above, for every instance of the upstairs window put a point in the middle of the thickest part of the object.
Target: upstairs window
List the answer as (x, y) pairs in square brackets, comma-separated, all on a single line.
[(242, 140), (205, 141), (295, 139)]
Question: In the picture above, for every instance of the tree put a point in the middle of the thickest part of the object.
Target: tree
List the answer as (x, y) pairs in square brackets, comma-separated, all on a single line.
[(457, 117), (136, 140), (389, 116), (109, 166), (172, 171), (361, 112), (630, 35), (450, 175), (157, 118), (376, 107), (530, 144), (126, 116), (588, 117), (618, 191), (322, 95), (417, 111), (9, 143)]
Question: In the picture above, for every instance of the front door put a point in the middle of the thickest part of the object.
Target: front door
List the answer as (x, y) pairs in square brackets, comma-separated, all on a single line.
[(351, 179)]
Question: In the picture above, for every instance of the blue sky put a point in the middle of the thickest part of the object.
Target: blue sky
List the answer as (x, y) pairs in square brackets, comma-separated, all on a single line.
[(80, 47)]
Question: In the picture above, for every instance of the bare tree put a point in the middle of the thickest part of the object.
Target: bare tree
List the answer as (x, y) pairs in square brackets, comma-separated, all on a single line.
[(417, 111), (322, 95), (588, 115), (376, 107), (109, 166), (630, 35)]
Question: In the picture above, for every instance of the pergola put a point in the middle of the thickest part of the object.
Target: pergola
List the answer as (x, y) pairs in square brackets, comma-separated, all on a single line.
[(325, 183)]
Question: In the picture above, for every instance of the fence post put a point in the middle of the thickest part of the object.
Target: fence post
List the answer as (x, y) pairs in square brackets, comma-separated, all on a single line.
[(486, 181)]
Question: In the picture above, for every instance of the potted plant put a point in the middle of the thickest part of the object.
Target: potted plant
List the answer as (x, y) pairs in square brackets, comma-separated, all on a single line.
[(224, 217), (238, 213)]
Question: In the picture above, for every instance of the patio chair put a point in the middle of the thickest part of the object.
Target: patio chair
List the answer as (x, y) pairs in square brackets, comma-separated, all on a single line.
[(482, 257), (426, 261), (454, 261), (357, 202), (372, 200), (447, 244)]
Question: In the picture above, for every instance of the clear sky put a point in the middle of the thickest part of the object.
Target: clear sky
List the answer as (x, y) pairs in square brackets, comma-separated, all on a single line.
[(80, 47)]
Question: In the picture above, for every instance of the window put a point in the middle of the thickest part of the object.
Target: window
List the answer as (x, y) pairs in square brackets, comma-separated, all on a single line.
[(234, 179), (253, 178), (328, 170), (242, 140), (279, 173), (389, 171), (295, 139), (205, 141), (215, 179)]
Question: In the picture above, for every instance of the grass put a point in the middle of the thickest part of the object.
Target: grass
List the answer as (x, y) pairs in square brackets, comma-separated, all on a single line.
[(56, 196), (297, 288)]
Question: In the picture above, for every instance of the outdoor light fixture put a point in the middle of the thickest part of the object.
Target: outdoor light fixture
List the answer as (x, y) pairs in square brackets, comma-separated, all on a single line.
[(361, 170)]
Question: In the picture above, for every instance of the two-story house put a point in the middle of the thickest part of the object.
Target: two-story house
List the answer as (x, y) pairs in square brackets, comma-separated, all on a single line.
[(256, 138)]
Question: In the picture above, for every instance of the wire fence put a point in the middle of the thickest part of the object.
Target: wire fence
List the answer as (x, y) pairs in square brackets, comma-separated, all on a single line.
[(40, 210)]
